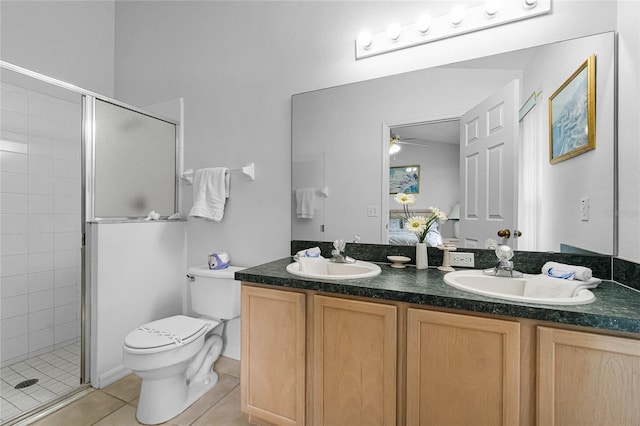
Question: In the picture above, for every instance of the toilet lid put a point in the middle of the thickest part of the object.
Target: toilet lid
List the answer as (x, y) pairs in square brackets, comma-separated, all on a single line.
[(173, 331)]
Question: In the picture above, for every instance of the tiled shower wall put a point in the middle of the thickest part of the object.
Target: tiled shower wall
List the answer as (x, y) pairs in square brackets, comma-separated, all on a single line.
[(40, 184)]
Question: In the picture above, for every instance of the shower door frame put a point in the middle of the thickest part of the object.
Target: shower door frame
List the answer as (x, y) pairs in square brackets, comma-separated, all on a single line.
[(86, 214)]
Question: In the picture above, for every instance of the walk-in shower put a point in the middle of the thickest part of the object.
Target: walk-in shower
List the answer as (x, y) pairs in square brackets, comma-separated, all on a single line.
[(52, 136)]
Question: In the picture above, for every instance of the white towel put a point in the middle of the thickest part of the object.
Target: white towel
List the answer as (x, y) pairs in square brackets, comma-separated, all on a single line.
[(314, 265), (305, 198), (544, 286), (210, 192), (556, 269), (310, 252)]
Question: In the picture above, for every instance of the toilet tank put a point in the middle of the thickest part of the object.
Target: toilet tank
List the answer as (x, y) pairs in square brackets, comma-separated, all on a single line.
[(215, 293)]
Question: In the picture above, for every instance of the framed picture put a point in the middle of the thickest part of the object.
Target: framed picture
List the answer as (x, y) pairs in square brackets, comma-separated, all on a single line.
[(404, 179), (572, 114)]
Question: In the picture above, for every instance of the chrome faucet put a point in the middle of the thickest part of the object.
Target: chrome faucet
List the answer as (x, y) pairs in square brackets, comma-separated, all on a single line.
[(504, 268), (339, 256)]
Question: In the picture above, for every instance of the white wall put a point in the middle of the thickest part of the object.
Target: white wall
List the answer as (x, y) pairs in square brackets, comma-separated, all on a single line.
[(72, 41), (137, 276), (629, 130), (237, 63), (590, 175)]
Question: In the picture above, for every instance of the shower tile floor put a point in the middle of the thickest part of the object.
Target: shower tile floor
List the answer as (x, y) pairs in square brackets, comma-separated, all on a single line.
[(57, 372)]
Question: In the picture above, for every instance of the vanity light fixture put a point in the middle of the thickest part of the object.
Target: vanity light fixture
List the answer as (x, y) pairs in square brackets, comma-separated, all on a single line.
[(365, 40), (423, 24), (491, 8), (458, 21), (393, 32), (456, 16)]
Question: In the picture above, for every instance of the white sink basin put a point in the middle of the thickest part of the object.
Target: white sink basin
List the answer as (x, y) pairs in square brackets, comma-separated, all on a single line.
[(338, 271), (529, 288)]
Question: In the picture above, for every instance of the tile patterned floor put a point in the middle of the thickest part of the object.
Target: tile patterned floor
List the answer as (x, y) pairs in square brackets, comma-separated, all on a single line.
[(115, 405), (57, 372)]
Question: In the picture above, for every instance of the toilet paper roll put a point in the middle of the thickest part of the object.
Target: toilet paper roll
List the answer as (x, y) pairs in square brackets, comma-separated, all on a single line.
[(219, 260)]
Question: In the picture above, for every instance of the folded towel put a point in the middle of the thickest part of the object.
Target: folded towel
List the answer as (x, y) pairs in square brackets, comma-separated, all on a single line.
[(310, 252), (561, 270), (314, 265), (547, 288), (210, 191), (305, 199), (543, 286)]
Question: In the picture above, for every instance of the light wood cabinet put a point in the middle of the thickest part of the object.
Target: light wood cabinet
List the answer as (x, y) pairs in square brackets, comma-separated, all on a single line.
[(587, 379), (272, 375), (354, 362), (311, 359), (462, 370)]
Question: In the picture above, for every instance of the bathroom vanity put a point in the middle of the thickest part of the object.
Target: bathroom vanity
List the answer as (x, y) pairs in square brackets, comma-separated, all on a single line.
[(405, 348)]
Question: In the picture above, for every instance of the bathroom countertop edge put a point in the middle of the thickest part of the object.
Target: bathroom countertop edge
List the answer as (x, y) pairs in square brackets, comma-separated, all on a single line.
[(616, 307)]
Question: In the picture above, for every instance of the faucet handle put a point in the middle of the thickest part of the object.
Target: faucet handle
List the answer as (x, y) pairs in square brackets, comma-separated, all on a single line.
[(504, 252), (356, 238), (339, 245)]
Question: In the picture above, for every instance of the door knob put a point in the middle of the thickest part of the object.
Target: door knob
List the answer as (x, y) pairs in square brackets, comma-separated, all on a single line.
[(504, 233)]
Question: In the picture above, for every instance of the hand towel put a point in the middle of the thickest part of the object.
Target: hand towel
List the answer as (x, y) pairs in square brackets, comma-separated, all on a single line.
[(314, 265), (310, 252), (543, 286), (210, 192), (305, 198), (561, 270)]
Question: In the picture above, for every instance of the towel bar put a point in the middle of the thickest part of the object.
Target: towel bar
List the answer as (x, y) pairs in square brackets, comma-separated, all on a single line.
[(249, 170)]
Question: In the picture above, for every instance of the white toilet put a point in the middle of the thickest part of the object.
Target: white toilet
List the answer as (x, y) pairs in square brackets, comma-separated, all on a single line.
[(174, 356)]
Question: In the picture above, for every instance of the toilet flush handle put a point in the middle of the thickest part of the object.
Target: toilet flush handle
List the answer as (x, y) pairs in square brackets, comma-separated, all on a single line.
[(191, 278)]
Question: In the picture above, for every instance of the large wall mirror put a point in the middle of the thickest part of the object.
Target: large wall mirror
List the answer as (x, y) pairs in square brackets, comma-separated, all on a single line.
[(342, 165)]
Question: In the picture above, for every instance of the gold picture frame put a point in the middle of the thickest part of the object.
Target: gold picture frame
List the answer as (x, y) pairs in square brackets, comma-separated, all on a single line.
[(572, 110)]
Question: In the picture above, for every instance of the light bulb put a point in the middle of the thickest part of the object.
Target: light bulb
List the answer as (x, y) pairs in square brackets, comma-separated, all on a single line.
[(394, 148), (456, 16), (393, 32), (423, 24), (491, 8), (365, 39)]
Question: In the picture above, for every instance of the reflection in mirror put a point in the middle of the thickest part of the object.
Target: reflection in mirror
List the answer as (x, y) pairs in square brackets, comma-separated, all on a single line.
[(435, 146), (350, 127)]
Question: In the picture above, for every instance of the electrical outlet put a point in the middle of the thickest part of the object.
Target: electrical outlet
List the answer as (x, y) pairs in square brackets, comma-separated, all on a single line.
[(462, 259), (372, 211)]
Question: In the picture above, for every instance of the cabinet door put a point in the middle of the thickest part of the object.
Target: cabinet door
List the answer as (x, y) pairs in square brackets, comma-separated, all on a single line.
[(273, 355), (354, 365), (587, 379), (462, 370)]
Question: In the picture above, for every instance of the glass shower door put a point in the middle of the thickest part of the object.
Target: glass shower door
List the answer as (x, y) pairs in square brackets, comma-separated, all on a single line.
[(41, 243)]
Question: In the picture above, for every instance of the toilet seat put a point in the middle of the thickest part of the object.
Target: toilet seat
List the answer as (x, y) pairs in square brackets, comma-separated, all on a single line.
[(165, 334)]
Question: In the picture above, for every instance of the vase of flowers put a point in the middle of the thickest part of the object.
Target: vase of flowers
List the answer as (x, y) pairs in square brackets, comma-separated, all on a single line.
[(419, 225)]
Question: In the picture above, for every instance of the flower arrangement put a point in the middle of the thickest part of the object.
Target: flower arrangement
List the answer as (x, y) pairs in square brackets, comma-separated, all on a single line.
[(418, 224)]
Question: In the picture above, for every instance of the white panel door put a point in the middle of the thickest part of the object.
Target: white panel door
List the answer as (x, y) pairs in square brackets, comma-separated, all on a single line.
[(488, 135)]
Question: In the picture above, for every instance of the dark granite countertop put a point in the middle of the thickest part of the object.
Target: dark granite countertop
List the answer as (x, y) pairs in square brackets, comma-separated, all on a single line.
[(616, 307)]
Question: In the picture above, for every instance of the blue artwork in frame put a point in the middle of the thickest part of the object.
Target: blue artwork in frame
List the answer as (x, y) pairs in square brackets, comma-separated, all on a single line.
[(572, 116), (404, 179)]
